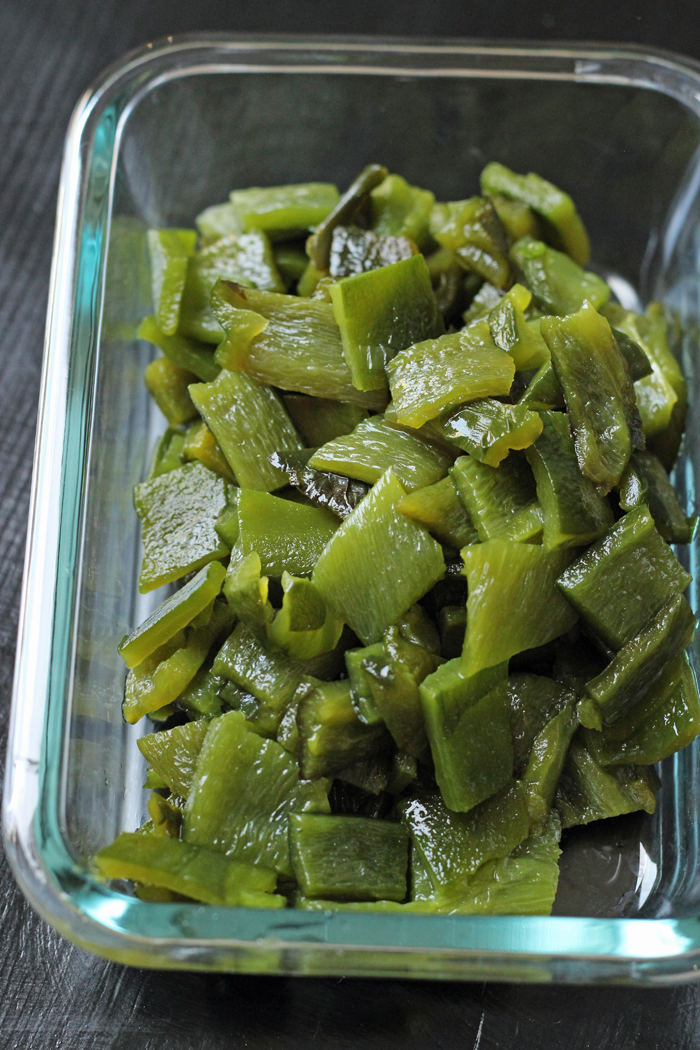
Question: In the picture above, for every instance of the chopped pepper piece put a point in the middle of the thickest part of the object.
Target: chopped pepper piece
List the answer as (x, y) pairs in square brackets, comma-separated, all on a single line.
[(398, 209), (473, 231), (439, 509), (320, 420), (283, 211), (168, 386), (331, 736), (185, 353), (303, 627), (355, 251), (588, 792), (514, 334), (169, 251), (287, 536), (645, 481), (500, 501), (201, 444), (173, 753), (558, 284), (318, 246), (489, 429)]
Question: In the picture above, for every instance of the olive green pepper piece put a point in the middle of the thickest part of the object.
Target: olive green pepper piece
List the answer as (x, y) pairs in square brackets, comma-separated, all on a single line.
[(513, 602), (246, 258), (543, 391), (219, 220), (201, 697), (169, 251), (318, 246), (488, 429), (173, 614), (468, 726), (667, 720), (303, 628), (637, 361), (320, 420), (331, 736), (246, 591), (534, 701), (378, 563), (439, 509), (641, 663), (283, 211), (374, 446), (656, 395), (226, 524), (623, 580), (501, 501), (382, 312), (546, 761), (473, 231), (398, 209), (287, 536), (646, 481), (348, 858), (454, 845), (355, 251), (168, 386), (558, 284), (228, 405), (291, 261), (166, 815), (271, 677), (551, 203), (185, 353), (162, 676), (178, 511), (598, 391), (193, 871), (517, 219), (168, 453), (589, 792), (201, 444), (573, 511), (438, 374), (295, 343), (173, 753), (514, 334), (483, 302), (243, 790)]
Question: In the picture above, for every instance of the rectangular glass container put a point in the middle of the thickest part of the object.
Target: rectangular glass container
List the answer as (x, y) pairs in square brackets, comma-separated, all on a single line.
[(169, 130)]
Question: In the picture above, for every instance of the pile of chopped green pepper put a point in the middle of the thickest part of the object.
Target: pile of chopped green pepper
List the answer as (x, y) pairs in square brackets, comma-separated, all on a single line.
[(414, 454)]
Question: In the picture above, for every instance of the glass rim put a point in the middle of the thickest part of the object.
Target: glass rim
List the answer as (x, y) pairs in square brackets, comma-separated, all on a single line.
[(84, 910)]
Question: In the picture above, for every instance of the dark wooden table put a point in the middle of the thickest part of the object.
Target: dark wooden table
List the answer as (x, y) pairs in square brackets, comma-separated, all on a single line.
[(51, 994)]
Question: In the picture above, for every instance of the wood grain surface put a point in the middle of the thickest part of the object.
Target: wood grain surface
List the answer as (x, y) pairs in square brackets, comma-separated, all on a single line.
[(53, 995)]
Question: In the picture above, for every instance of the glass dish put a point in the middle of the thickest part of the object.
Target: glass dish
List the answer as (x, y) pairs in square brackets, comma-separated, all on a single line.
[(169, 130)]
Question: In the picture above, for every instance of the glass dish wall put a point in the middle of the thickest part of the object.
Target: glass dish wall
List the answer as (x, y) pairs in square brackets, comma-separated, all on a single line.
[(167, 132)]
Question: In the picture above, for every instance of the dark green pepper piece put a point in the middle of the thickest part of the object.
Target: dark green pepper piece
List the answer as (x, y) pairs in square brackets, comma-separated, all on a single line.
[(473, 231), (645, 481), (287, 536), (453, 624), (318, 246), (544, 391), (623, 580), (320, 420), (546, 762), (637, 361), (331, 736), (534, 701), (588, 792), (355, 251), (398, 209)]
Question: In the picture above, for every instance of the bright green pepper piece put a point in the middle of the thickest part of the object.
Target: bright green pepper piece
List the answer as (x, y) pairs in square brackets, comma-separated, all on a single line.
[(201, 697), (170, 251), (513, 333), (320, 420), (178, 511), (656, 393), (468, 726), (573, 511), (166, 815), (640, 664), (246, 591), (623, 580), (295, 346), (318, 246), (483, 302), (228, 405), (666, 720), (226, 524), (513, 602), (246, 258), (243, 790), (348, 858), (287, 536), (195, 872), (219, 220), (646, 481), (200, 444), (667, 444), (291, 261), (439, 509), (598, 390), (546, 762), (374, 446), (517, 219), (501, 500), (331, 736), (588, 792), (168, 453), (283, 211), (172, 753), (168, 386), (558, 284), (453, 846), (378, 563), (186, 353), (543, 391), (162, 676), (547, 200), (381, 312), (399, 209), (489, 429), (173, 614), (438, 374), (473, 231)]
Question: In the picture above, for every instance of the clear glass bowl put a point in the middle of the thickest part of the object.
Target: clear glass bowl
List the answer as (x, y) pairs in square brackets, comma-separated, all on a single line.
[(169, 130)]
